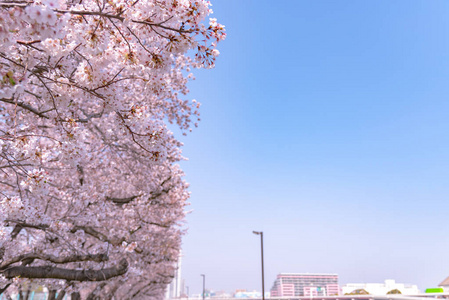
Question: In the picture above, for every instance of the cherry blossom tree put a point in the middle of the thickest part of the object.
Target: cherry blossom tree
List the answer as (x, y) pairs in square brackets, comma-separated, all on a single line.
[(91, 197)]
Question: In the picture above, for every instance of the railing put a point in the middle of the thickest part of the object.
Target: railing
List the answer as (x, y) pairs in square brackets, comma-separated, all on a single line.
[(342, 297)]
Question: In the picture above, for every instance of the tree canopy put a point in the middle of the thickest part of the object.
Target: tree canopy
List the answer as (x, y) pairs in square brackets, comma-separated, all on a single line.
[(91, 196), (358, 292), (394, 291)]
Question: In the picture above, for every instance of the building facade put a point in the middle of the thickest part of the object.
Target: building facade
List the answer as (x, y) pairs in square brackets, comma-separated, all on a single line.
[(174, 288), (305, 284), (381, 288)]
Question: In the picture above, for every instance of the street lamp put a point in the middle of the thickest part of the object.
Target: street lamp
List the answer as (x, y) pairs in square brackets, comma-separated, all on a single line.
[(261, 249), (204, 285)]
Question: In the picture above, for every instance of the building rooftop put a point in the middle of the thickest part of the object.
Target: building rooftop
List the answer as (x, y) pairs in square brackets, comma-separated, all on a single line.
[(445, 282), (305, 274)]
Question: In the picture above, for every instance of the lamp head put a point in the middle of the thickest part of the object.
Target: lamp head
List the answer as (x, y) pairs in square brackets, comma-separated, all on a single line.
[(257, 232)]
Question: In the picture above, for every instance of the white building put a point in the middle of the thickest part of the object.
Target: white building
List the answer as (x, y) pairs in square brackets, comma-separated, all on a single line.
[(381, 288), (174, 288)]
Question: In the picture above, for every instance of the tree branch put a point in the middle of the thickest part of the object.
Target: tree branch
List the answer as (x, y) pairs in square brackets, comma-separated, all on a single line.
[(67, 274), (20, 225), (4, 288), (100, 236), (55, 259), (101, 14), (121, 201), (118, 17), (25, 106)]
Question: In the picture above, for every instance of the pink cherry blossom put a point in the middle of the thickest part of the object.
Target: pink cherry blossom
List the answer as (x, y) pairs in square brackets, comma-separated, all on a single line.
[(90, 185)]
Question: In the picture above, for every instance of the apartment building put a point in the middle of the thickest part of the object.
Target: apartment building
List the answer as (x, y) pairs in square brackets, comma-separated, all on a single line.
[(305, 284)]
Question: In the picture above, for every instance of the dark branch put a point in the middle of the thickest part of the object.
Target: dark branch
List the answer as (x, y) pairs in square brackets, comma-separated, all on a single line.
[(118, 17), (67, 274), (61, 295), (4, 288), (25, 106), (92, 232), (121, 201), (96, 234), (13, 4), (55, 259), (20, 225)]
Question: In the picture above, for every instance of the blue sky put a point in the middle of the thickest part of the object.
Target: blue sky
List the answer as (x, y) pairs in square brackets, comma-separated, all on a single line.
[(324, 125)]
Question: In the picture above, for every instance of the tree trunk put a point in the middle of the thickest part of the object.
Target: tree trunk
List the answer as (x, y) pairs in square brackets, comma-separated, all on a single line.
[(52, 295), (4, 289), (112, 291), (27, 295), (21, 295), (93, 294), (75, 296), (8, 297), (61, 295)]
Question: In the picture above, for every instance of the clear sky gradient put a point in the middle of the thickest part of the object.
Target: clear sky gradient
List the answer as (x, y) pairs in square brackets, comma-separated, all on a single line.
[(325, 124)]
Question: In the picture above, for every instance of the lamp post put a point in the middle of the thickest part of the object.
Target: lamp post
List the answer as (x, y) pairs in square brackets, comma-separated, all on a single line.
[(204, 285), (261, 249)]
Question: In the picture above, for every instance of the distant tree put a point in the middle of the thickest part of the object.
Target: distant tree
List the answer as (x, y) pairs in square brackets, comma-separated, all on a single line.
[(358, 292), (395, 291)]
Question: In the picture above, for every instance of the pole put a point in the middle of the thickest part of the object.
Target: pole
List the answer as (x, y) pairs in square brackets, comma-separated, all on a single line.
[(204, 286), (261, 256), (263, 280)]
